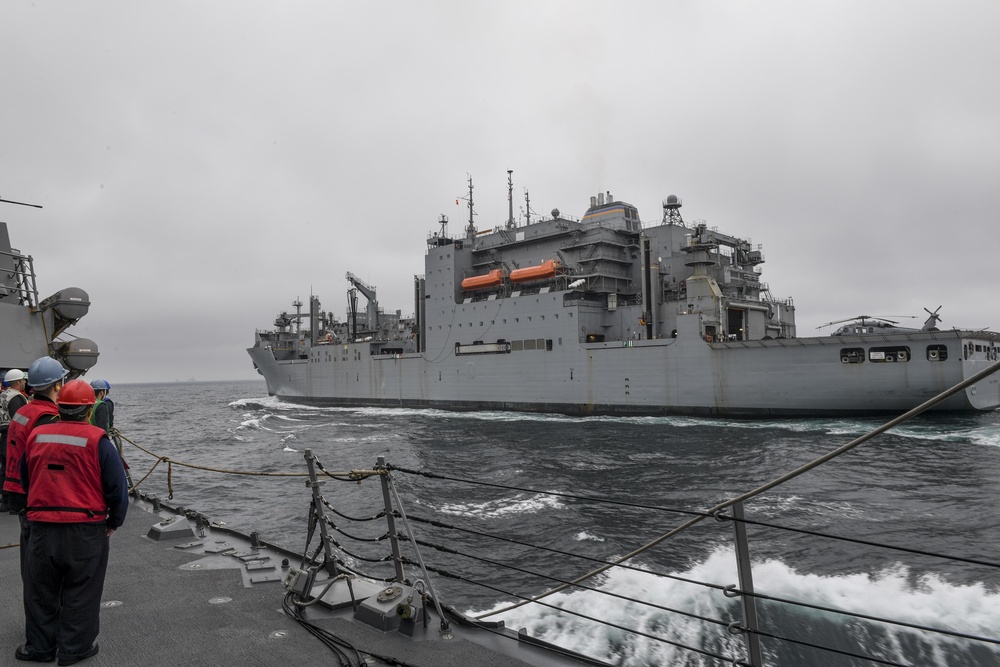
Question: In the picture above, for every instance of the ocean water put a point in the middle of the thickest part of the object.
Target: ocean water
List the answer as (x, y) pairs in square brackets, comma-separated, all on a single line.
[(932, 485)]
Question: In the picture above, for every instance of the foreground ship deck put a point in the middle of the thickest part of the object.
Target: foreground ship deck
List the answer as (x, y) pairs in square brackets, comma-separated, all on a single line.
[(165, 605)]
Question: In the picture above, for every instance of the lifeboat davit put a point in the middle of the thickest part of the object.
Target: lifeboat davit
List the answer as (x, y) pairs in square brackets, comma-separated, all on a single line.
[(546, 269), (492, 279)]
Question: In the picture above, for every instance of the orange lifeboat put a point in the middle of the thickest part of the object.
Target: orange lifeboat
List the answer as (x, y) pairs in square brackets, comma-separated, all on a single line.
[(546, 269), (492, 279)]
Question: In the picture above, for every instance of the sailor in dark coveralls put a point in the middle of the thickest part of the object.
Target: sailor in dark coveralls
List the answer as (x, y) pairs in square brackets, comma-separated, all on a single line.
[(77, 497)]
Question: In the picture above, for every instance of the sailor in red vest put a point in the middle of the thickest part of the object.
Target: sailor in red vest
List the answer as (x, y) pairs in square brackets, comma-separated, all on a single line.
[(77, 497), (12, 399), (45, 375)]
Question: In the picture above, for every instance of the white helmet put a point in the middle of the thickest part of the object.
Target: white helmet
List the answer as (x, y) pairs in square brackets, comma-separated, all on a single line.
[(13, 375)]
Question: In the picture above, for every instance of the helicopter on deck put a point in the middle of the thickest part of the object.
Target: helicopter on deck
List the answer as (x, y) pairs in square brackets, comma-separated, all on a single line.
[(876, 324)]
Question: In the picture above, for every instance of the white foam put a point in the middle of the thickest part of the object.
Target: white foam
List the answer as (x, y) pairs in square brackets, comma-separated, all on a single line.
[(933, 602), (517, 504), (584, 536)]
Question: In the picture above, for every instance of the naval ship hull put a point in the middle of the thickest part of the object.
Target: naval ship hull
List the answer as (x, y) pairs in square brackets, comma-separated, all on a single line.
[(679, 376), (606, 314)]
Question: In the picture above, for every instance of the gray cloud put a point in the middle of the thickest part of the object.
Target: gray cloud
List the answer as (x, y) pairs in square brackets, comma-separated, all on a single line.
[(203, 164)]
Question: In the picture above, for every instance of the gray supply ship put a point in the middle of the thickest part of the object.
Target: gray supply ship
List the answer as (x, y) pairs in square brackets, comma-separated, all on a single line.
[(609, 315), (31, 328)]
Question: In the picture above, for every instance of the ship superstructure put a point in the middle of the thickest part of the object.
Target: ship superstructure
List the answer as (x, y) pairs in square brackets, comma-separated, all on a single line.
[(606, 314), (31, 328)]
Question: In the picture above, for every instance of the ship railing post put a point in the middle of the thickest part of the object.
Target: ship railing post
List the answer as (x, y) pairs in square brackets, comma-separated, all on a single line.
[(747, 599), (389, 487), (390, 520), (314, 483)]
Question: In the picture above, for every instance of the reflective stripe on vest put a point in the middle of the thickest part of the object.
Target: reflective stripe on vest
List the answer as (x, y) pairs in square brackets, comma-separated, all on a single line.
[(61, 439)]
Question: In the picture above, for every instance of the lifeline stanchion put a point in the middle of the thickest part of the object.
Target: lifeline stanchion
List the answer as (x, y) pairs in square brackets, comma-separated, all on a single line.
[(413, 540), (746, 585), (393, 540), (314, 483)]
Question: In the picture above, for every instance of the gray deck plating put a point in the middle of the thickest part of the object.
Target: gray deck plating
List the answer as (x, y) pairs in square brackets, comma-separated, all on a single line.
[(158, 611)]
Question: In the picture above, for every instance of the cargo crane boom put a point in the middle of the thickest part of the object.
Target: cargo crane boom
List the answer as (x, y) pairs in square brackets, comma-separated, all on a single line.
[(369, 292)]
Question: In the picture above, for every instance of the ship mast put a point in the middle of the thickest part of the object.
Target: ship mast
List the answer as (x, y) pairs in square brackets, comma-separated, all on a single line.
[(527, 209), (510, 199), (470, 231)]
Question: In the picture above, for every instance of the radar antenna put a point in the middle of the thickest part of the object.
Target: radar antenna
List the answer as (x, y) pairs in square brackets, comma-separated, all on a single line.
[(672, 211)]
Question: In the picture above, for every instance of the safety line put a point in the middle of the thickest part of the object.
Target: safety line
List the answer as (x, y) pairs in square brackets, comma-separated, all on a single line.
[(855, 540), (450, 575)]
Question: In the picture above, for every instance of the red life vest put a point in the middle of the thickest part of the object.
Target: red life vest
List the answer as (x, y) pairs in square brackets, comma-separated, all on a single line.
[(64, 474), (20, 428)]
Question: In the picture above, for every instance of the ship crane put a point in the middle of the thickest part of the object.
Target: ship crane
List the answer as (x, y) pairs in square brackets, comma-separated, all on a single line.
[(369, 292)]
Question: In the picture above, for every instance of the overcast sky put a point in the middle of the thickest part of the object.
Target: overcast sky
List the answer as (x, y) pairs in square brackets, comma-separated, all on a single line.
[(202, 164)]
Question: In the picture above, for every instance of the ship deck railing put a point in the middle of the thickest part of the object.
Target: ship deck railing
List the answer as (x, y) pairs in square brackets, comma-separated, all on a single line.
[(459, 554), (24, 279)]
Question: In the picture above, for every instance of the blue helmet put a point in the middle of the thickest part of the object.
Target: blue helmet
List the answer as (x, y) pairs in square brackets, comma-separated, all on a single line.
[(45, 371), (101, 385)]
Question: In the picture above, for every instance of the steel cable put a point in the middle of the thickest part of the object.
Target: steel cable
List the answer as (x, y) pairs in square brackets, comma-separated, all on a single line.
[(451, 575), (592, 559), (563, 581), (855, 540)]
